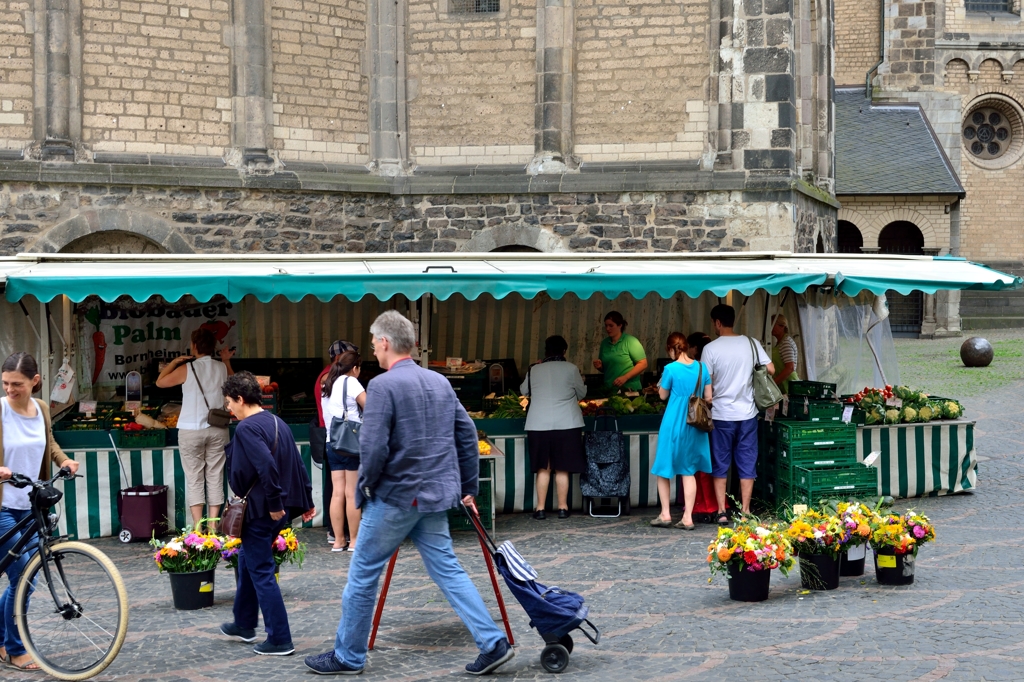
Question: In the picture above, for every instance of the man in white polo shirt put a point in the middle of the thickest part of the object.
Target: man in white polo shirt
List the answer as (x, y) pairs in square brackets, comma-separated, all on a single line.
[(730, 360)]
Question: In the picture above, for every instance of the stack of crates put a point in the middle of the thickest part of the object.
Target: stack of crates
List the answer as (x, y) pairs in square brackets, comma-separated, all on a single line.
[(814, 401), (811, 454)]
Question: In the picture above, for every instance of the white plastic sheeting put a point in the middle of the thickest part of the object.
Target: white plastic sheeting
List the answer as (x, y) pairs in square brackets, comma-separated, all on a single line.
[(847, 342)]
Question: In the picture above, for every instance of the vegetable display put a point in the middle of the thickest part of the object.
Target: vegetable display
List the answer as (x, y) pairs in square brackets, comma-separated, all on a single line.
[(903, 405)]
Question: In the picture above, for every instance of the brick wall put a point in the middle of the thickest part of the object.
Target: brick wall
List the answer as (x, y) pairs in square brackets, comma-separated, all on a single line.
[(155, 76), (641, 83), (15, 74), (36, 216), (472, 83), (856, 31), (957, 19), (870, 214), (990, 215), (320, 96)]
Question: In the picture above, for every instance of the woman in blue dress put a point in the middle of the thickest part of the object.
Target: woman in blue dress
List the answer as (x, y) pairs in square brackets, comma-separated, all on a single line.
[(682, 449)]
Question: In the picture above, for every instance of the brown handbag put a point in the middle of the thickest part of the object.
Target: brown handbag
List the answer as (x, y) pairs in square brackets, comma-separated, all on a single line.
[(233, 517), (699, 413)]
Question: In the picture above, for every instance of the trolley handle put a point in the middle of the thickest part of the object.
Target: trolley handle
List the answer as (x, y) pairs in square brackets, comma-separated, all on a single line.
[(474, 517), (597, 633)]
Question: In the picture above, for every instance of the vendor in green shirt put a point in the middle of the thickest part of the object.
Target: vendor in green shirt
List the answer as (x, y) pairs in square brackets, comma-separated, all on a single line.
[(622, 357)]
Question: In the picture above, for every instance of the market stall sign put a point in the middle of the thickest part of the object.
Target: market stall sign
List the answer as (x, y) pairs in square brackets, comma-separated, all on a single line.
[(125, 337)]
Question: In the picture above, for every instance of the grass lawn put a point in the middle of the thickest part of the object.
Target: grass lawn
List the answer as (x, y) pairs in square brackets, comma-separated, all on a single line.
[(934, 365)]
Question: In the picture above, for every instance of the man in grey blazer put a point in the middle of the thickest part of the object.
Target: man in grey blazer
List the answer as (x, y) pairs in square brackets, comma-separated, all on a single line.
[(418, 457)]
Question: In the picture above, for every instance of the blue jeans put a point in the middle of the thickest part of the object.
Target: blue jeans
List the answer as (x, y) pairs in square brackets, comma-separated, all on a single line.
[(257, 588), (381, 531), (8, 630)]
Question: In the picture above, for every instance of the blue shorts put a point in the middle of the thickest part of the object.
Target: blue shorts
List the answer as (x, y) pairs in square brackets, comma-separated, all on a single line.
[(734, 443), (337, 461)]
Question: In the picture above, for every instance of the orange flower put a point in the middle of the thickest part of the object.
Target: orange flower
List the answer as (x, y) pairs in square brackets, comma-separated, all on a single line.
[(724, 554), (863, 530)]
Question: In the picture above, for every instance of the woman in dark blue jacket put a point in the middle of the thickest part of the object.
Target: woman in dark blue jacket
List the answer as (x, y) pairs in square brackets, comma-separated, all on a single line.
[(264, 465)]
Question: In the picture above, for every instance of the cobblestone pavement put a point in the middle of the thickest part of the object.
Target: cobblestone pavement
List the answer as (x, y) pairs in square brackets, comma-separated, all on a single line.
[(648, 592)]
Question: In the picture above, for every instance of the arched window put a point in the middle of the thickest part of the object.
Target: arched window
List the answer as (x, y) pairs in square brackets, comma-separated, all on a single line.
[(515, 248), (849, 237), (901, 237), (905, 312)]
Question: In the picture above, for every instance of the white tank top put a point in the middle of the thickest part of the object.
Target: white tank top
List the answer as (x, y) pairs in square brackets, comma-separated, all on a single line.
[(24, 445), (212, 375)]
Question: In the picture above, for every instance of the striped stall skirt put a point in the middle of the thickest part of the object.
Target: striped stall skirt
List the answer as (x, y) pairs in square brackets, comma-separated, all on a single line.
[(932, 459), (89, 507), (514, 486)]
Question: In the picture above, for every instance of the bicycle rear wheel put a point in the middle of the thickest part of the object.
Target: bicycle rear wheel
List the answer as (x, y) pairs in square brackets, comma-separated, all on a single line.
[(82, 633)]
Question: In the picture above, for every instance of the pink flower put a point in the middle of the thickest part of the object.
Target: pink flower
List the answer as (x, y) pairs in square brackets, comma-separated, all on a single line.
[(280, 544), (919, 532), (193, 540)]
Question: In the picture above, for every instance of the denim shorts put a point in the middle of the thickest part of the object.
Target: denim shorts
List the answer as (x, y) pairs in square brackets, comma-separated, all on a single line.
[(337, 461), (734, 443)]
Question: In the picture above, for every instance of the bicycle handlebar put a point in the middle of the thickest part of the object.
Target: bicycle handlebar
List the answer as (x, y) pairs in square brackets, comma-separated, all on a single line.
[(23, 481)]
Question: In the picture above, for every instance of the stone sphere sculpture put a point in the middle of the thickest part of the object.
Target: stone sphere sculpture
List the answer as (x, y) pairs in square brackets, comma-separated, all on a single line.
[(976, 352)]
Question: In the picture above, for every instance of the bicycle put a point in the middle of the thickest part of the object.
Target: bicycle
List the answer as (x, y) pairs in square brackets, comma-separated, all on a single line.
[(75, 625)]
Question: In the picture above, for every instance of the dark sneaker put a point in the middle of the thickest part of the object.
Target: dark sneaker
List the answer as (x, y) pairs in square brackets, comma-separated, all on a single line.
[(328, 664), (246, 635), (265, 648), (486, 663)]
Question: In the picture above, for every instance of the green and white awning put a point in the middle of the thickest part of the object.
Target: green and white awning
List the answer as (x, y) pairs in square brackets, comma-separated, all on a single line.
[(472, 275)]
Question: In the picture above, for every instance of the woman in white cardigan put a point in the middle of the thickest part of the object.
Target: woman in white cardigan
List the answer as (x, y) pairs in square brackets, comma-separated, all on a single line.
[(554, 423)]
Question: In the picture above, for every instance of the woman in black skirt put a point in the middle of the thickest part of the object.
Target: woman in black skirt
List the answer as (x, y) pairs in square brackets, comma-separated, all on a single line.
[(554, 423)]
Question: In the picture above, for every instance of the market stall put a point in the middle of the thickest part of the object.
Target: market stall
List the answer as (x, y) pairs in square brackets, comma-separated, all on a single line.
[(496, 308)]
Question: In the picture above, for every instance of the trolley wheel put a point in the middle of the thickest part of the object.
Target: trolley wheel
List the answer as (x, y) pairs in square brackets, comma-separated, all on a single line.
[(554, 658), (625, 506), (125, 536), (566, 641)]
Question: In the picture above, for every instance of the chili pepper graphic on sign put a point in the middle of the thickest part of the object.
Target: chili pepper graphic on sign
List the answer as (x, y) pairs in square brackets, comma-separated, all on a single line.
[(218, 329), (99, 344)]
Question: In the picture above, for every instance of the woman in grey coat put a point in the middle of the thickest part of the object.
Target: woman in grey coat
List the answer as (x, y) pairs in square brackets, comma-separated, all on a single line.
[(554, 423)]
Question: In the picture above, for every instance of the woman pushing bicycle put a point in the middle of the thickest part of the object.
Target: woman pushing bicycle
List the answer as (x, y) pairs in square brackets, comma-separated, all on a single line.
[(26, 447)]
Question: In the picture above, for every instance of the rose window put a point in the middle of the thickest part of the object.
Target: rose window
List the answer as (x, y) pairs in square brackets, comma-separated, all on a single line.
[(987, 133)]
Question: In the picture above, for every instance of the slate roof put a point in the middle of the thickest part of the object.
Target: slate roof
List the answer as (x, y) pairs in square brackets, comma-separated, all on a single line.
[(888, 149)]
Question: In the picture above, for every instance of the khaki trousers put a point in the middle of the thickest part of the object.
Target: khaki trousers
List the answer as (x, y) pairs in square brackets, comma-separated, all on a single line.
[(202, 458)]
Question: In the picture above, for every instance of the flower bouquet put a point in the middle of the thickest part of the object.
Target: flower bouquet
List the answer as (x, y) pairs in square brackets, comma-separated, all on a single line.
[(818, 538), (188, 553), (747, 554), (229, 551), (857, 519), (189, 559), (288, 549), (896, 539)]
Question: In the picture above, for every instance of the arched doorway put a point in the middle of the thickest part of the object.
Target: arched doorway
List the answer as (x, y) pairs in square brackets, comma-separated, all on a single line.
[(849, 238), (113, 241), (515, 248), (905, 312)]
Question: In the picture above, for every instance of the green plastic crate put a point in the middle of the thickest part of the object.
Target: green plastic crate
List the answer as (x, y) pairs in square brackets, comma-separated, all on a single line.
[(818, 390), (814, 434), (457, 519), (140, 440), (813, 457), (811, 497), (808, 410), (840, 477)]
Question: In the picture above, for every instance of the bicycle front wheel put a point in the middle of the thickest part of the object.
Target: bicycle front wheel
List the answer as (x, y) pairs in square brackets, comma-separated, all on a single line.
[(78, 634)]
